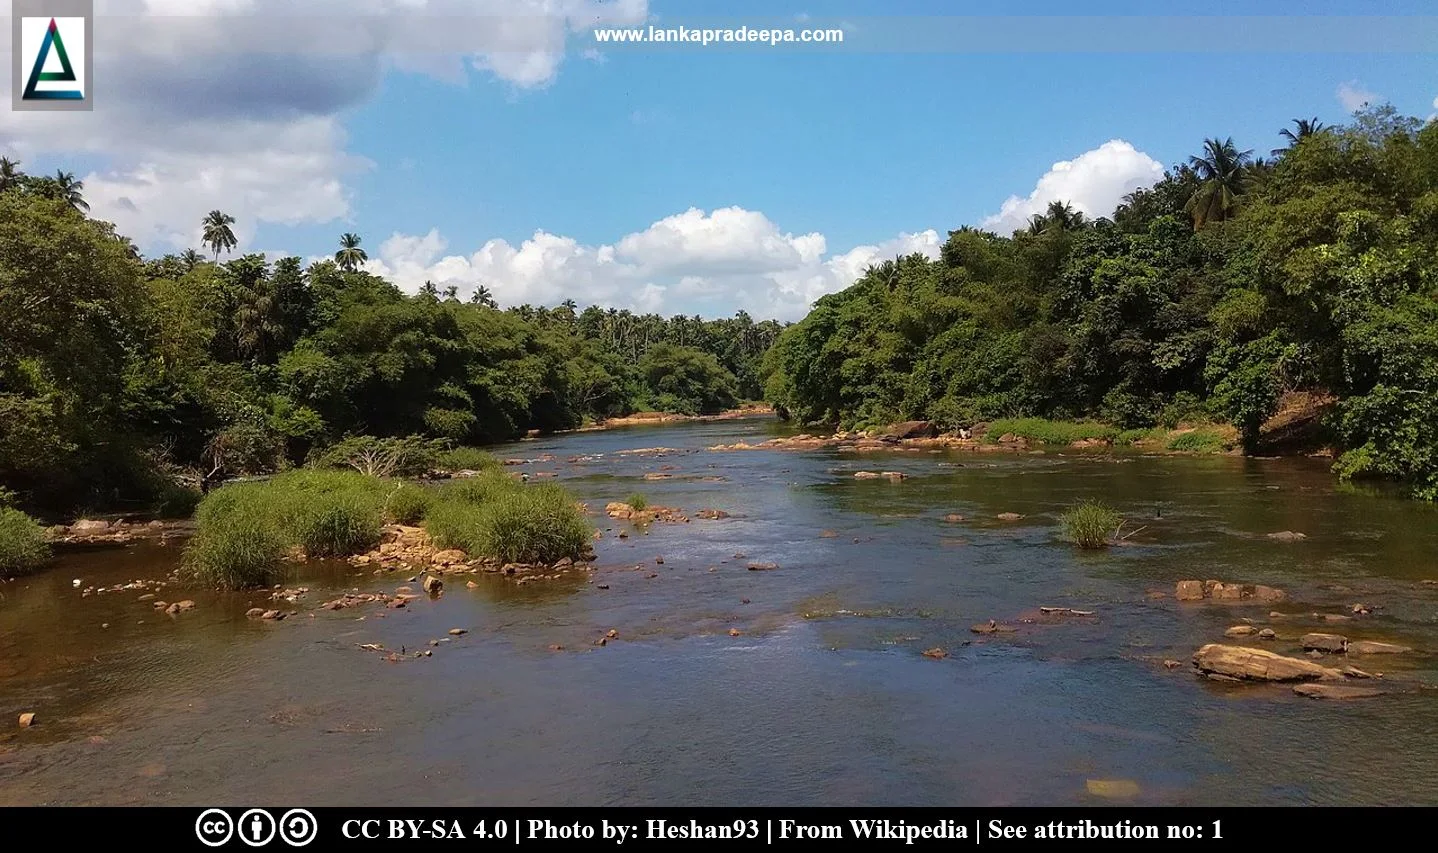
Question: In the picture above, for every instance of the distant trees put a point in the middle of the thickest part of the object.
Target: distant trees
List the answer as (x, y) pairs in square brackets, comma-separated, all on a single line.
[(1222, 169)]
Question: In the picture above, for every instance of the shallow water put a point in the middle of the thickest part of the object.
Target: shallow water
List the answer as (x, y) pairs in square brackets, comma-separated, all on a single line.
[(823, 698)]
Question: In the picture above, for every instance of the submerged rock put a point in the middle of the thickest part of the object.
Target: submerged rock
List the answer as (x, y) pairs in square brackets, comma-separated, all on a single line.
[(1008, 516), (711, 514), (1244, 664), (1241, 631), (432, 585), (763, 567), (1287, 536), (1330, 643), (1335, 691), (1189, 591), (936, 653), (1373, 647)]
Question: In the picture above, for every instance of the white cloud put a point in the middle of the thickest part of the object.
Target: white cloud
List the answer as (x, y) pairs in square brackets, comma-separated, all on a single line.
[(238, 104), (693, 262), (1354, 96), (1093, 182)]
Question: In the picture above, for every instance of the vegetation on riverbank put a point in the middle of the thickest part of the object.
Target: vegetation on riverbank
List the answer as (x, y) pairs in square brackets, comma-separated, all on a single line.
[(22, 543), (245, 530), (1091, 524), (1207, 297), (121, 375)]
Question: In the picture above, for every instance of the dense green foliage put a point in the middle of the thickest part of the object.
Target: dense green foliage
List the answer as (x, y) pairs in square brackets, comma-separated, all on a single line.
[(22, 543), (493, 515), (120, 377), (1207, 296), (1090, 524)]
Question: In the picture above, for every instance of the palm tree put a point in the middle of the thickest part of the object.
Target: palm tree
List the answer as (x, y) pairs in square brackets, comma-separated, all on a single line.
[(217, 234), (483, 296), (350, 255), (10, 174), (191, 259), (1302, 129), (1222, 169), (1058, 216), (70, 190)]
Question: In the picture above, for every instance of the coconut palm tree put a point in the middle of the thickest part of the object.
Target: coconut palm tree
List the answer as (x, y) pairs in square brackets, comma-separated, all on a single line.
[(70, 190), (483, 296), (10, 174), (191, 259), (1302, 129), (1222, 169), (350, 255), (217, 234)]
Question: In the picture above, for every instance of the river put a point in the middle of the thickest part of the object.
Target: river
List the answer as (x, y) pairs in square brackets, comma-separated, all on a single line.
[(822, 698)]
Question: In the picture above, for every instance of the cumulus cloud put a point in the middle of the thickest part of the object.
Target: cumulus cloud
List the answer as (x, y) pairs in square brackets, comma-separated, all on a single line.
[(238, 104), (1354, 96), (1093, 182), (693, 262)]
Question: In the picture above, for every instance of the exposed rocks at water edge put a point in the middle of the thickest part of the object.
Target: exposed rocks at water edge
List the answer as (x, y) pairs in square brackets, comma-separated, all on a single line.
[(1335, 691), (1212, 590), (625, 512), (27, 719), (117, 532), (1238, 663), (409, 548)]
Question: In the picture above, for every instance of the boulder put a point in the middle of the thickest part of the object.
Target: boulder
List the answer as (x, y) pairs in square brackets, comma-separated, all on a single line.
[(1335, 691), (1268, 593), (90, 526), (912, 429), (1267, 634), (1372, 647), (1227, 591), (763, 567), (1244, 664), (1241, 631), (27, 719), (432, 584), (1189, 591), (447, 558), (1330, 643)]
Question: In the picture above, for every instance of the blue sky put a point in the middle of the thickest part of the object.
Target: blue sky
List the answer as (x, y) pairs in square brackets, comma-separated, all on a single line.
[(822, 161)]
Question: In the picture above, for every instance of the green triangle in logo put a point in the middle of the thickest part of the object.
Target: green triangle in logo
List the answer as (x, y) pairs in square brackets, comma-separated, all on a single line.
[(66, 74)]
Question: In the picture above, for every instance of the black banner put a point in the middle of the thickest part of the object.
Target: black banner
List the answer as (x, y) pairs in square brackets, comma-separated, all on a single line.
[(280, 828)]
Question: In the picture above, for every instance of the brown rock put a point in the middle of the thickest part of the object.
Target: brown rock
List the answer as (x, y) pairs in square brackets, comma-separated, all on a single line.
[(1172, 664), (1287, 536), (1241, 631), (271, 614), (990, 627), (471, 584), (1335, 691), (455, 632), (1227, 591), (1008, 516), (446, 558), (711, 514), (1189, 591), (185, 605), (936, 653), (828, 534), (658, 561), (173, 608), (763, 567), (953, 518), (866, 475), (612, 633), (895, 475), (912, 429), (1267, 634), (734, 632), (555, 647), (432, 585), (1244, 664), (1372, 647), (255, 613), (1268, 593), (1330, 643), (27, 719), (90, 526)]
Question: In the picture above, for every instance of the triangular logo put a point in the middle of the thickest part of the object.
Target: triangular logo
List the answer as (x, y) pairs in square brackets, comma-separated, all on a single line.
[(66, 74)]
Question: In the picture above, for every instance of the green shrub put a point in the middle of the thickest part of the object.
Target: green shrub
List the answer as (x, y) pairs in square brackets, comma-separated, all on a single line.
[(466, 459), (477, 490), (22, 542), (382, 457), (638, 501), (408, 504), (242, 549), (1131, 437), (1199, 441), (348, 524), (500, 518), (1044, 431), (1091, 524)]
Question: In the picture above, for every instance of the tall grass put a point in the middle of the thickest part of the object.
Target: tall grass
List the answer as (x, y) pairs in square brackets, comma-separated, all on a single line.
[(495, 516), (1200, 441), (408, 504), (1091, 524), (638, 502), (1044, 431), (466, 459), (22, 543)]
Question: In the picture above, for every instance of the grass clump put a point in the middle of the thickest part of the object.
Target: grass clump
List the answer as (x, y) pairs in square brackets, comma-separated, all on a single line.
[(22, 542), (1042, 431), (408, 504), (637, 501), (496, 516), (466, 459), (1091, 524), (244, 529), (1199, 441)]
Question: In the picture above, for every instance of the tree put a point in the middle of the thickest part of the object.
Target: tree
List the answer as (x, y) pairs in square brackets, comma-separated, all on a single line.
[(70, 190), (350, 255), (217, 234), (10, 174), (482, 296), (1302, 129), (1221, 169), (191, 259)]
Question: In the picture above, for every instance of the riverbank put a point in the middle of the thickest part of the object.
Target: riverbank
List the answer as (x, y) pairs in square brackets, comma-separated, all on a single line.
[(749, 410)]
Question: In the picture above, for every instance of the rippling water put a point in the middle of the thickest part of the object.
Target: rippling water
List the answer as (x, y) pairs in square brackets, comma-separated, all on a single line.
[(824, 696)]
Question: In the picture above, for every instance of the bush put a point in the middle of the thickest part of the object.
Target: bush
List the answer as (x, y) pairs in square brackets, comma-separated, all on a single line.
[(407, 504), (382, 457), (495, 516), (1199, 441), (638, 501), (1048, 432), (22, 542), (348, 524), (242, 549), (1091, 524), (466, 459)]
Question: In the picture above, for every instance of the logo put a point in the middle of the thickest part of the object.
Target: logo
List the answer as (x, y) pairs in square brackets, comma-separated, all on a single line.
[(214, 827), (52, 65), (256, 827), (298, 827), (52, 76)]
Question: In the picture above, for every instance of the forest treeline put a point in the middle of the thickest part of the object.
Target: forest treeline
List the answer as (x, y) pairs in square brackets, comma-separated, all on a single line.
[(120, 376), (1208, 296)]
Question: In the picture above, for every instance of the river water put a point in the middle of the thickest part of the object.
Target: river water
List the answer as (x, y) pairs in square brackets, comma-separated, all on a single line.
[(824, 697)]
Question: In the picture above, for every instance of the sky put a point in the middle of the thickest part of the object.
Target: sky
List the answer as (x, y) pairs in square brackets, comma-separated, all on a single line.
[(495, 142)]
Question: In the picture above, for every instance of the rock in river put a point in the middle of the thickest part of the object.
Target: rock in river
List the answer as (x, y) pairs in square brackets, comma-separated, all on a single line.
[(1241, 631), (1335, 691), (1372, 647), (432, 585), (1243, 664), (1287, 536), (1330, 643)]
